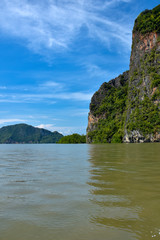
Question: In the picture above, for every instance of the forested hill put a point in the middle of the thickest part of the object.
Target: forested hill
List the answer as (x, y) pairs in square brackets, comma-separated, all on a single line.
[(23, 133), (74, 138)]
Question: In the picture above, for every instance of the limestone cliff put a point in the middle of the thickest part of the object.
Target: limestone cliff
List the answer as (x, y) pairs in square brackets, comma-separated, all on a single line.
[(127, 109)]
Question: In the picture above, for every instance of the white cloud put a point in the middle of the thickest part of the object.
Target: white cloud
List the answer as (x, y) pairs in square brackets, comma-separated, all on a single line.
[(45, 97), (52, 24), (64, 130), (50, 85), (96, 71), (2, 121), (46, 126), (3, 87), (80, 112), (6, 100), (78, 96)]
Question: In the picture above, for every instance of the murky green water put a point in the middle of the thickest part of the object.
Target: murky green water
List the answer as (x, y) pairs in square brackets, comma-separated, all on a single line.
[(80, 192)]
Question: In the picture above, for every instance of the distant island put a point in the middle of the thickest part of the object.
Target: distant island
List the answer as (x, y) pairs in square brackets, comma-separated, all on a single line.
[(74, 138), (127, 108), (23, 133)]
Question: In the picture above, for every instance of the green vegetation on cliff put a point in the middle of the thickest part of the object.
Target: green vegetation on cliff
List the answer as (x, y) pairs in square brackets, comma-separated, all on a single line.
[(127, 109), (145, 117), (144, 102), (112, 107), (74, 138), (23, 133), (148, 21)]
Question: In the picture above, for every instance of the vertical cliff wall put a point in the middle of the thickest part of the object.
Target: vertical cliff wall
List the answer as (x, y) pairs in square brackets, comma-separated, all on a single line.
[(107, 111), (127, 109)]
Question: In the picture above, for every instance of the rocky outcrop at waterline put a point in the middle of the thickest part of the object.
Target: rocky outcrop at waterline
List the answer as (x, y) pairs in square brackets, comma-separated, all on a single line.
[(127, 109)]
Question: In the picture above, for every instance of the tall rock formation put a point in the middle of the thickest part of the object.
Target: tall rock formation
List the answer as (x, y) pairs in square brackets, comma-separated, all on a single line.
[(127, 109)]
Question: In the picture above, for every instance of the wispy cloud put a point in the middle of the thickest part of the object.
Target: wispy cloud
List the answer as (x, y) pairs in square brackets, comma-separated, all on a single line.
[(52, 24), (46, 126), (45, 97), (51, 84), (80, 112), (2, 121), (79, 96), (3, 87), (95, 71), (64, 130)]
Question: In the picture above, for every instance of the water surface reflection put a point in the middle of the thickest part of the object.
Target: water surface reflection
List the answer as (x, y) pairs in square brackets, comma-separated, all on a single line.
[(80, 192), (125, 181)]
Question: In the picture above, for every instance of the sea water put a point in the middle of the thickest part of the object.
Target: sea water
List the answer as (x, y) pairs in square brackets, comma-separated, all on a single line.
[(80, 192)]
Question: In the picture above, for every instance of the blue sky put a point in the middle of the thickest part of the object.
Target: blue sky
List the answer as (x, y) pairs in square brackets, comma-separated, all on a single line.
[(56, 53)]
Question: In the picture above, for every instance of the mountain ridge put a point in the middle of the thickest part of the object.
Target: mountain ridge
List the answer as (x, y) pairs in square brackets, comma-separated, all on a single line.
[(24, 133)]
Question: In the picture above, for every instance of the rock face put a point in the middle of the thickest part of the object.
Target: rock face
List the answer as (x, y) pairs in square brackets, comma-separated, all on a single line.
[(127, 109)]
